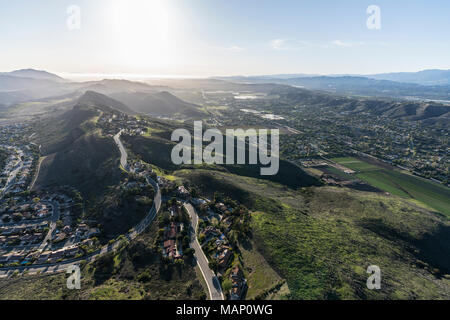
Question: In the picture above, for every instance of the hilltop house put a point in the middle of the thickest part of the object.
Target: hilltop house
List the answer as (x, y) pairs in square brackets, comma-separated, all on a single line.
[(238, 283)]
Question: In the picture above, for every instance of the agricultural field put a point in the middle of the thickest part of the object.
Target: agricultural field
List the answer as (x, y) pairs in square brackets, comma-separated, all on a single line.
[(434, 195), (355, 164), (339, 173)]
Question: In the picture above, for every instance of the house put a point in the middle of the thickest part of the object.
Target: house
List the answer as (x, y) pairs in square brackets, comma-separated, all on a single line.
[(182, 192), (170, 248), (238, 283), (172, 233), (4, 259), (71, 251), (43, 257), (16, 257), (27, 215), (224, 257), (227, 222), (60, 237), (57, 255), (93, 232), (162, 182), (87, 242), (210, 231), (32, 255), (37, 237), (198, 201), (174, 210), (221, 207), (132, 185)]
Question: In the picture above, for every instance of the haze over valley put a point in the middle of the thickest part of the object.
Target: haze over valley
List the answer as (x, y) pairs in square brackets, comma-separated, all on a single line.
[(167, 150)]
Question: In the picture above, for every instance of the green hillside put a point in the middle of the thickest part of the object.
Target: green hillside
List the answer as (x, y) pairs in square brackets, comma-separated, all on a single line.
[(157, 147), (89, 164), (321, 240)]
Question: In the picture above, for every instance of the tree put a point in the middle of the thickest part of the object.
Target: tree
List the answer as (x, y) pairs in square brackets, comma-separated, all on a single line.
[(227, 285), (17, 217), (213, 265), (194, 192), (189, 252)]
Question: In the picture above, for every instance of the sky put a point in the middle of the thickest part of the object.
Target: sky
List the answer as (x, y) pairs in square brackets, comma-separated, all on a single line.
[(199, 38)]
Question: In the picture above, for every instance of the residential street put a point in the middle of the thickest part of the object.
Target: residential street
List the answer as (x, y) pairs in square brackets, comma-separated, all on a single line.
[(62, 266), (123, 152), (215, 291), (54, 219)]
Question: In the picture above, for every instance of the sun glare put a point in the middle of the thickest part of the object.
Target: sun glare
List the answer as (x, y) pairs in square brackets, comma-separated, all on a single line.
[(141, 32)]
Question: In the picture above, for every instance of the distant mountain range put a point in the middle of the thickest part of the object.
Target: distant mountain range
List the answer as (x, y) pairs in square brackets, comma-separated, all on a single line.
[(126, 96), (426, 77), (34, 74), (428, 84), (160, 100), (429, 113)]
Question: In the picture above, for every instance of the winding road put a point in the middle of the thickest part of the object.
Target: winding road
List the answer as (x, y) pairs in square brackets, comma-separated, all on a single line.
[(135, 231), (123, 152), (213, 284), (215, 291)]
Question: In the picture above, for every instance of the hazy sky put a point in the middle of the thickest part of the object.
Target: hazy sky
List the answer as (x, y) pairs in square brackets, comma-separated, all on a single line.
[(223, 37)]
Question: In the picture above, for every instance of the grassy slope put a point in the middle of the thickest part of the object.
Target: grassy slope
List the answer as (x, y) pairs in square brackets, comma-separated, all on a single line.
[(55, 134), (259, 274), (90, 164), (156, 149), (323, 239), (323, 242), (87, 160)]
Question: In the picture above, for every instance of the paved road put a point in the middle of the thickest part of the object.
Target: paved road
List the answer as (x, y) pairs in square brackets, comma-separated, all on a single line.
[(38, 169), (215, 291), (139, 228), (51, 231), (123, 152), (53, 219), (13, 174)]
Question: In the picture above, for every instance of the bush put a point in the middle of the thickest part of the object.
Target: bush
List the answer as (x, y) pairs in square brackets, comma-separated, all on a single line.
[(227, 285), (201, 238), (17, 217), (189, 252)]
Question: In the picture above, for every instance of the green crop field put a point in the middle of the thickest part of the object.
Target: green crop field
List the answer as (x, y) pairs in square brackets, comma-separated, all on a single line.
[(355, 164), (339, 173), (402, 184)]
